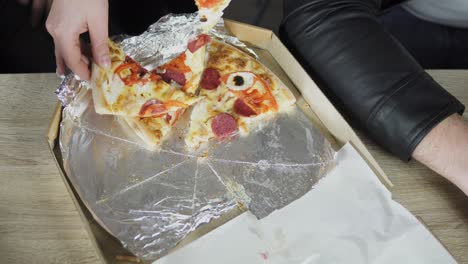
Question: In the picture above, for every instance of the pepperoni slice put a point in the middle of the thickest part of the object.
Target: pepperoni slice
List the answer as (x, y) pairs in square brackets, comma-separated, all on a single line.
[(201, 41), (210, 79), (153, 107), (243, 109), (172, 75), (137, 73), (223, 126), (177, 64)]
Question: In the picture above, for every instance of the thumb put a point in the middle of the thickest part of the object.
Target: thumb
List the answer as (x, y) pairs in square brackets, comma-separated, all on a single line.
[(98, 31)]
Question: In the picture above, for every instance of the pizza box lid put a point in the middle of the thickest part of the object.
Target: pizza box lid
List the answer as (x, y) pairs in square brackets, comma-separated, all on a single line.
[(310, 99)]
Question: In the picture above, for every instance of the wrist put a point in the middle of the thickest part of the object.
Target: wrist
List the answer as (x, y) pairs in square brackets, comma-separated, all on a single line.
[(445, 150)]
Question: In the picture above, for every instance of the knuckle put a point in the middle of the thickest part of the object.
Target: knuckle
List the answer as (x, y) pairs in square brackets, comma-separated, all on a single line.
[(54, 28), (50, 26), (100, 45)]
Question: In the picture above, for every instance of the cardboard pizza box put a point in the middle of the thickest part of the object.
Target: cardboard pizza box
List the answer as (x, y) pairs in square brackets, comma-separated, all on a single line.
[(310, 99)]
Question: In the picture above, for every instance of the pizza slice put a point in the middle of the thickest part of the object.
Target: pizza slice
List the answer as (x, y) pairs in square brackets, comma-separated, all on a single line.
[(185, 70), (127, 89), (239, 95), (153, 130), (210, 11), (149, 102)]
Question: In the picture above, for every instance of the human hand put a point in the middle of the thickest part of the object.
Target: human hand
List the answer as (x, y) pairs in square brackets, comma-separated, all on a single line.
[(67, 20)]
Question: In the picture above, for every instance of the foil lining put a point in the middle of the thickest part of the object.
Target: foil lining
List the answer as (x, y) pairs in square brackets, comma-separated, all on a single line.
[(69, 88), (163, 41), (151, 201), (220, 32)]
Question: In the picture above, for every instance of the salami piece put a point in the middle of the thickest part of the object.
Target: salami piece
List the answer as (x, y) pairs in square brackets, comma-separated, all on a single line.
[(242, 109), (201, 41), (171, 75), (223, 126), (210, 79)]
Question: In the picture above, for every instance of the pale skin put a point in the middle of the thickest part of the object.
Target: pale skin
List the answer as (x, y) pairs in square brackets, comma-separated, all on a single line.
[(444, 149)]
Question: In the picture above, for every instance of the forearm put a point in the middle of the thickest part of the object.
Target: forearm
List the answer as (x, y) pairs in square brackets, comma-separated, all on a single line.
[(367, 74), (445, 150)]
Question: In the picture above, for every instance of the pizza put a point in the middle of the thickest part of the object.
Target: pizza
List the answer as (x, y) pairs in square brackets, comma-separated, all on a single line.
[(127, 89), (210, 12), (231, 93), (149, 102), (153, 130), (185, 70), (239, 95)]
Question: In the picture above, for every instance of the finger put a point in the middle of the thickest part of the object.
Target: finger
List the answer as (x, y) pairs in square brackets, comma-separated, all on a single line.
[(69, 46), (98, 31), (85, 60), (60, 63), (38, 7)]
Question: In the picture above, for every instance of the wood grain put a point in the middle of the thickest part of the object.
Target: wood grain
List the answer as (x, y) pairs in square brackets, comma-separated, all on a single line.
[(39, 223)]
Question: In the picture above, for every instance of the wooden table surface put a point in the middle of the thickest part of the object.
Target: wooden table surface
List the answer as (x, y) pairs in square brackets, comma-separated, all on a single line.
[(39, 222)]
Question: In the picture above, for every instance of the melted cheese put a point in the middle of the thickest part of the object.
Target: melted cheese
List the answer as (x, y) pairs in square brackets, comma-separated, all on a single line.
[(196, 62), (226, 60), (112, 96)]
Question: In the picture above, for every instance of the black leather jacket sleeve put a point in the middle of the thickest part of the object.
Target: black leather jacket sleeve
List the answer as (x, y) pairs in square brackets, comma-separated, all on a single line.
[(366, 73)]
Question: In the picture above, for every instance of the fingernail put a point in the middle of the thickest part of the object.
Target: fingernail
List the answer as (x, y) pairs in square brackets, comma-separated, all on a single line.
[(77, 77), (85, 59), (104, 61)]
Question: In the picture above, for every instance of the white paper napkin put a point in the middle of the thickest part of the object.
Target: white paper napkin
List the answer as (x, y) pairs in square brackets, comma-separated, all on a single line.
[(349, 217)]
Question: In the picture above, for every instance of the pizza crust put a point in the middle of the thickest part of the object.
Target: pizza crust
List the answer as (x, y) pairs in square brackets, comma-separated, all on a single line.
[(153, 131)]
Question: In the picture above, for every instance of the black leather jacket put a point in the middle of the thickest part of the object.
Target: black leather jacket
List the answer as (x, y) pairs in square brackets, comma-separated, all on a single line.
[(369, 76)]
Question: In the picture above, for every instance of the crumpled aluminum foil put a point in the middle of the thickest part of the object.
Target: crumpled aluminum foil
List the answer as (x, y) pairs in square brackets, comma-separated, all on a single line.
[(151, 201), (151, 48), (69, 87)]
